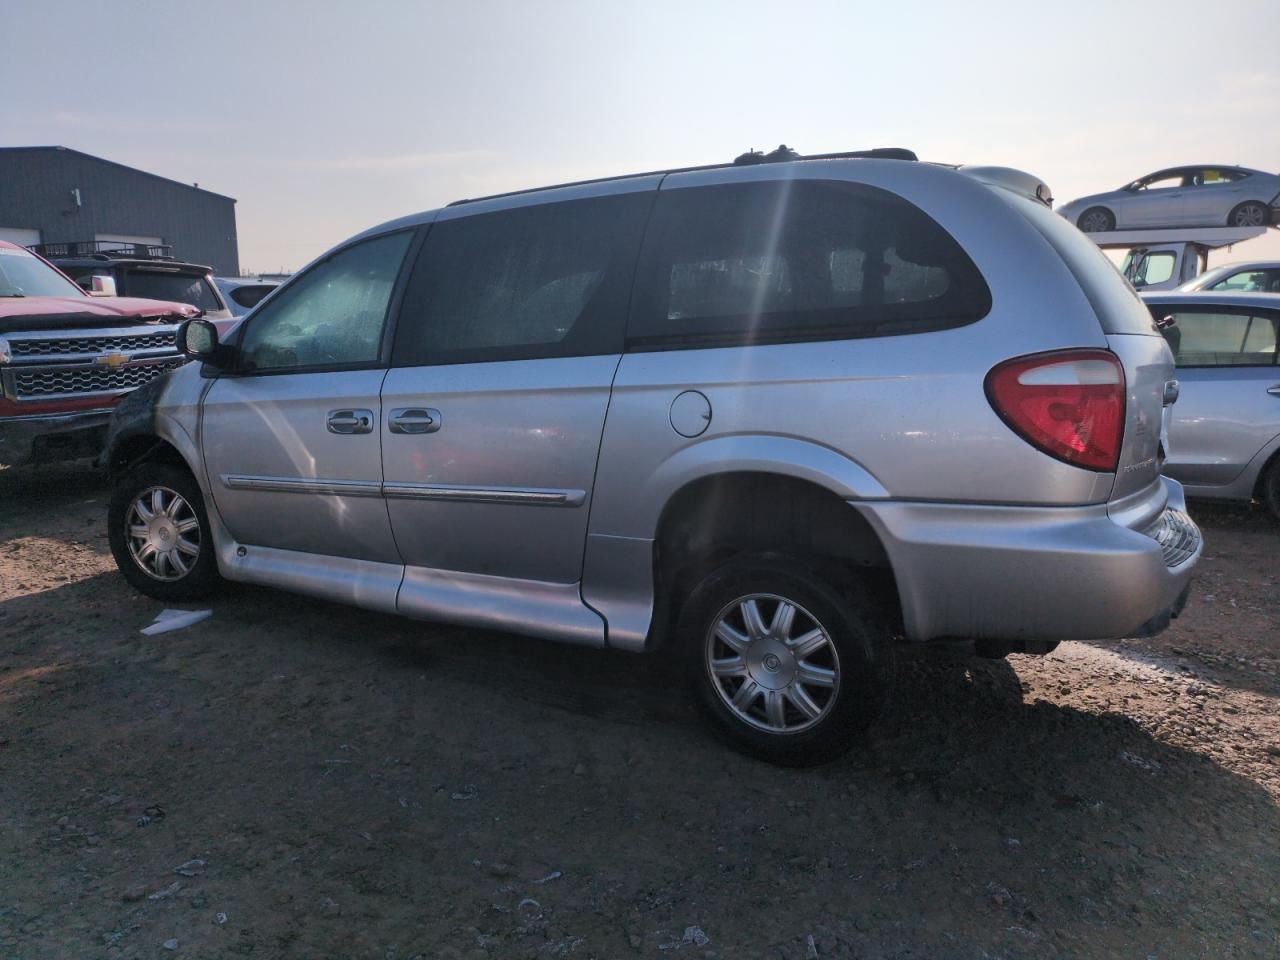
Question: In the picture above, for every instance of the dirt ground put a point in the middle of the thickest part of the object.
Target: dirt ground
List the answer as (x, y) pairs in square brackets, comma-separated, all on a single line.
[(296, 779)]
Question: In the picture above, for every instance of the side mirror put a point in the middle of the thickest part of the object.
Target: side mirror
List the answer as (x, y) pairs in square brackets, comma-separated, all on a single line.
[(102, 286), (198, 339)]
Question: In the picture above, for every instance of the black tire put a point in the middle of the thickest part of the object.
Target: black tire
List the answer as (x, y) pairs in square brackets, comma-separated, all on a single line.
[(1096, 220), (201, 577), (1251, 213), (860, 657), (1269, 489)]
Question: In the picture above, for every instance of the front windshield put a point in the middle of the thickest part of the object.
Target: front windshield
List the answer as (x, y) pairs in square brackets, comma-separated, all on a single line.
[(23, 274)]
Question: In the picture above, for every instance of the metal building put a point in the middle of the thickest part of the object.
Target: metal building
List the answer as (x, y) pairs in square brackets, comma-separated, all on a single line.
[(55, 194)]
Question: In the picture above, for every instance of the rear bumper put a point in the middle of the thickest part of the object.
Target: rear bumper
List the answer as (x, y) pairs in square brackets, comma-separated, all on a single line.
[(52, 436), (1044, 573)]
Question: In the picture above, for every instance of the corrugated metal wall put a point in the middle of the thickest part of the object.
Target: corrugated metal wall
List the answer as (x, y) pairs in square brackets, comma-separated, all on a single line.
[(35, 192)]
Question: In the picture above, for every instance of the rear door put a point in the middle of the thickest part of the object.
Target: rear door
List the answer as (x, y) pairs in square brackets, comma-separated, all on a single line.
[(291, 437), (506, 348), (1228, 406)]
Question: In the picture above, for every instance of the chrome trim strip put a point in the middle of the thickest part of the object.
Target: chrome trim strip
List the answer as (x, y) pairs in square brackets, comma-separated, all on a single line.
[(340, 488), (461, 493), (455, 493)]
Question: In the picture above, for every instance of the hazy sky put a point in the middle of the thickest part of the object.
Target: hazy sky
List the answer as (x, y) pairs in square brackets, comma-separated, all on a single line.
[(323, 118)]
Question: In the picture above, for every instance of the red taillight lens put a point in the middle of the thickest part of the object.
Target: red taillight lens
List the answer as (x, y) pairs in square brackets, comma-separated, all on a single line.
[(1069, 403)]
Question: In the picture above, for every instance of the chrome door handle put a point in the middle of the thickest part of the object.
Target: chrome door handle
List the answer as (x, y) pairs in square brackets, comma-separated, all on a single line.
[(1274, 391), (350, 421), (414, 420)]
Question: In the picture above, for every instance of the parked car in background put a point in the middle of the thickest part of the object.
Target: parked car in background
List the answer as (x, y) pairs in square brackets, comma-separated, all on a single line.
[(67, 358), (1224, 439), (1195, 196), (1262, 276), (244, 293), (137, 270), (759, 417)]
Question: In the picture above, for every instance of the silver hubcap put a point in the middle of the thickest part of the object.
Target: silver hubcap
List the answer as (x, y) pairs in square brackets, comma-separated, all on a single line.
[(1250, 216), (772, 663), (163, 533)]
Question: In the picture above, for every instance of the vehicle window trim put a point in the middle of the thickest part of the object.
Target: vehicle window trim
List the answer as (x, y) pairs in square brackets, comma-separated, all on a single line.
[(655, 343), (527, 352), (1252, 313), (397, 290)]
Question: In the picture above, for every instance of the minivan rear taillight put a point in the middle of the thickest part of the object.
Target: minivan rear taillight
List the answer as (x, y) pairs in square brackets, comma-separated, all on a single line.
[(1068, 403)]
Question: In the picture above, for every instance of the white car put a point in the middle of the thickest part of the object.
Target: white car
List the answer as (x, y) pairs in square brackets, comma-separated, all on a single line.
[(243, 293)]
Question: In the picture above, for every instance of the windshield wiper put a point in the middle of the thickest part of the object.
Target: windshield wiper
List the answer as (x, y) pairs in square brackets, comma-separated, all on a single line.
[(12, 295)]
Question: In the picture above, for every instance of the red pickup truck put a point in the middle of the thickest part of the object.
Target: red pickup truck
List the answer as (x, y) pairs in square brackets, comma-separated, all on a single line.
[(66, 358)]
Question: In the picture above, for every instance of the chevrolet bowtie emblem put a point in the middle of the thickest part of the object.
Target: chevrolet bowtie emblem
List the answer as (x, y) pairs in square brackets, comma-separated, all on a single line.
[(111, 360)]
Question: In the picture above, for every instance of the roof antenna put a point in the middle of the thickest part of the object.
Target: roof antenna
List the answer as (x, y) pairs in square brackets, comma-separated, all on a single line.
[(754, 156)]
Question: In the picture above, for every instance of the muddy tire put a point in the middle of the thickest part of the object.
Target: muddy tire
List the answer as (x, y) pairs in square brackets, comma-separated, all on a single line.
[(1269, 489)]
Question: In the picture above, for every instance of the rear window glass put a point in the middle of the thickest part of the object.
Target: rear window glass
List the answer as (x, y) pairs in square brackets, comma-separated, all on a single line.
[(796, 260), (179, 287), (1112, 297)]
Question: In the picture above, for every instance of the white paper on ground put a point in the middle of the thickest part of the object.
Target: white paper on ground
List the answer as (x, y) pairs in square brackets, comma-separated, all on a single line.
[(168, 620)]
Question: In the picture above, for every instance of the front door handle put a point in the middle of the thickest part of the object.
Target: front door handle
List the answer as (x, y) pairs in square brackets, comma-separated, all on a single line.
[(350, 421), (1274, 391), (414, 420)]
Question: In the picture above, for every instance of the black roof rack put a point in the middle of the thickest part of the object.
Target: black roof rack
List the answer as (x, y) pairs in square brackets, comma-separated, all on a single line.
[(105, 250), (781, 155)]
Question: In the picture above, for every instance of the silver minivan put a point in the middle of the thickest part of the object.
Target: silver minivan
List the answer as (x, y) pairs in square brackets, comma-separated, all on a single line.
[(763, 417)]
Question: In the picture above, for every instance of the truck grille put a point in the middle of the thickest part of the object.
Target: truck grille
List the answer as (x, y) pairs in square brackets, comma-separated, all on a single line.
[(1177, 534), (71, 381), (92, 346)]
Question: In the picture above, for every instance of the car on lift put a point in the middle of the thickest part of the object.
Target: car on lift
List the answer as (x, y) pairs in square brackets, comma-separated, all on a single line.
[(1193, 196), (109, 267), (1258, 276)]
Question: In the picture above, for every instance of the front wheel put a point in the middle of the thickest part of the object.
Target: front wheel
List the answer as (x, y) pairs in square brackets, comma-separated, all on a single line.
[(159, 533), (790, 668), (1250, 214)]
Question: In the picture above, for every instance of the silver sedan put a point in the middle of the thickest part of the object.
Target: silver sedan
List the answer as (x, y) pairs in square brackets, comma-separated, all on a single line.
[(1257, 276), (1224, 434), (1199, 196)]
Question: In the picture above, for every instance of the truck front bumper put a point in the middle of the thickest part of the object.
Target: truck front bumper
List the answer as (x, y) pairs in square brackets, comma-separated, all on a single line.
[(1045, 573), (52, 436)]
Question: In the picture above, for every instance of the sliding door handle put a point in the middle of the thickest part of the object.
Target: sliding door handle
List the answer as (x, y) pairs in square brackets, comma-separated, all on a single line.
[(414, 420), (350, 421)]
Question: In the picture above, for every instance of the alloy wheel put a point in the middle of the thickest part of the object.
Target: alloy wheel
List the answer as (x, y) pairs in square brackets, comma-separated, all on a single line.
[(1250, 215), (772, 663), (163, 533)]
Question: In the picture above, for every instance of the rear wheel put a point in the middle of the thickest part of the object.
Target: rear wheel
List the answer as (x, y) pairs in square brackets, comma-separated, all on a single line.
[(1096, 220), (790, 668), (1270, 488), (159, 533), (1250, 214)]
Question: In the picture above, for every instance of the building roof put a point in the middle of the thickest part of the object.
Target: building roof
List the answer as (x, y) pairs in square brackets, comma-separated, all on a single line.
[(122, 166)]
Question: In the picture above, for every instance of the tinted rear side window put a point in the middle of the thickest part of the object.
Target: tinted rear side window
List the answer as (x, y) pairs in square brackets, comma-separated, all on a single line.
[(545, 281), (796, 260)]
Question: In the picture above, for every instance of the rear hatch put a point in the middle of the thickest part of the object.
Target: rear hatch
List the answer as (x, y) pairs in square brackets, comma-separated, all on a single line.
[(1132, 336)]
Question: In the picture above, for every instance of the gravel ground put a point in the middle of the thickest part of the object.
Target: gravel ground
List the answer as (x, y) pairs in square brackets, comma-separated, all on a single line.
[(295, 779)]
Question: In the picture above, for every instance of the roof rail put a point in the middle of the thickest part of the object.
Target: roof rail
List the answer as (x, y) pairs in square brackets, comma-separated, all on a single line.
[(781, 155), (105, 250)]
